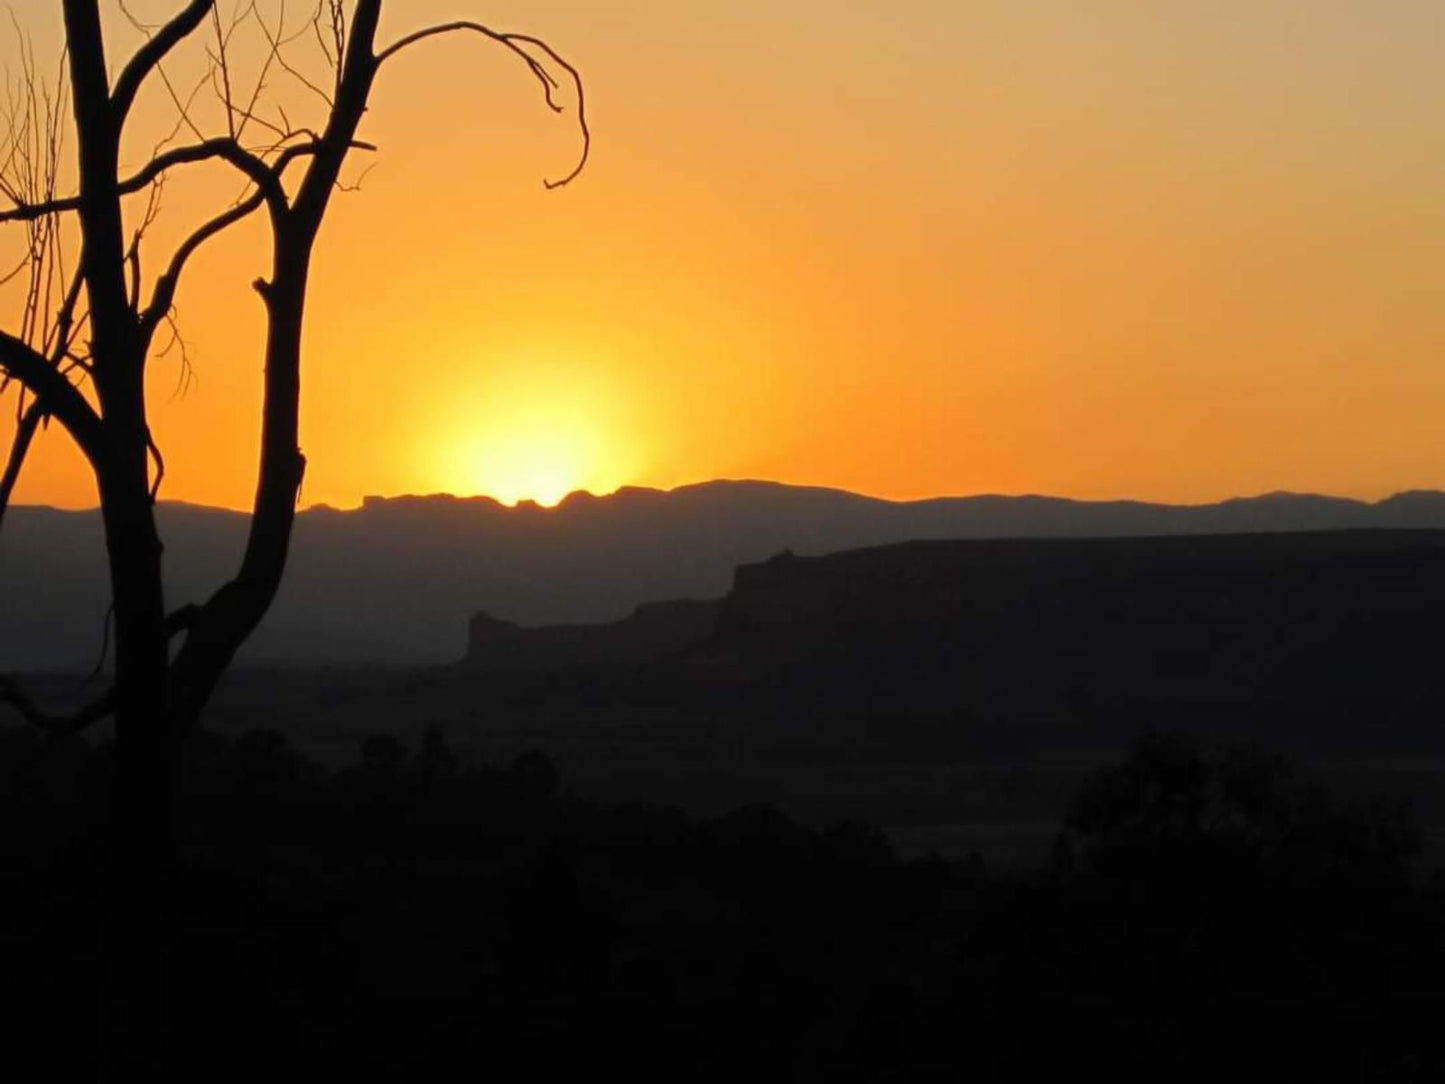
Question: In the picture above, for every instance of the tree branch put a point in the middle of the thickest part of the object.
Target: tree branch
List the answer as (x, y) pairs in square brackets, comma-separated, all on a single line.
[(261, 173), (64, 327), (232, 613), (149, 55), (24, 434), (163, 296), (58, 726), (160, 463), (353, 90), (182, 620), (266, 175), (517, 43), (56, 396)]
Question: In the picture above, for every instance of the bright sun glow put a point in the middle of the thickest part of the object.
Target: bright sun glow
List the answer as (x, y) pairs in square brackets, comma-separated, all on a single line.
[(542, 465), (533, 433)]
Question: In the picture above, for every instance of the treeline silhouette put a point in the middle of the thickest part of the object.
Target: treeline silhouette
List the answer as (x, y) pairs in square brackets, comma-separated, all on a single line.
[(414, 916)]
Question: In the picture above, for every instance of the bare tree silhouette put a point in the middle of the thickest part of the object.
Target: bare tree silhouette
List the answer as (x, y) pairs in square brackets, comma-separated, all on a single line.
[(88, 326), (86, 331)]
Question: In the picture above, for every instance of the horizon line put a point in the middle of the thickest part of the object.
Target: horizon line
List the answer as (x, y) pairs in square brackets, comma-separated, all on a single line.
[(528, 504)]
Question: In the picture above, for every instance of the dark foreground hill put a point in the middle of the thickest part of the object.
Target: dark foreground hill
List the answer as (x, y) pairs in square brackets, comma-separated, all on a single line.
[(397, 580)]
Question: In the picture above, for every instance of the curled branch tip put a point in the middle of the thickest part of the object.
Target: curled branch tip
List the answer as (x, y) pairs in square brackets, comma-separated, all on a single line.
[(522, 45)]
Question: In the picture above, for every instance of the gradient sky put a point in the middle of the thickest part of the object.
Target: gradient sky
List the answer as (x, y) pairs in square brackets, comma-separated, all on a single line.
[(1166, 250)]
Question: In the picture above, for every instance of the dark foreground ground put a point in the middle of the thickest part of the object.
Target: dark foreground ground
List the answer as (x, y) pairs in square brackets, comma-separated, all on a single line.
[(931, 782), (890, 818), (408, 915)]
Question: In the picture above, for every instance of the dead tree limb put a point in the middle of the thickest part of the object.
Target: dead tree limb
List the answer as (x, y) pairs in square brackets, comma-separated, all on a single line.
[(57, 726)]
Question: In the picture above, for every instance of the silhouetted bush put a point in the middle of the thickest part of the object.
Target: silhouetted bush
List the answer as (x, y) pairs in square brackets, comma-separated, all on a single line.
[(1178, 807)]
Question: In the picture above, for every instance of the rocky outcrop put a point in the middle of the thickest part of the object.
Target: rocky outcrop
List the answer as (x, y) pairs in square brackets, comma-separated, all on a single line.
[(651, 633), (1279, 633)]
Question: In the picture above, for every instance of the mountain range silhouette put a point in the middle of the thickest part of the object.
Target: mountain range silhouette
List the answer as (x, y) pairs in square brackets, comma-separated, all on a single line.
[(398, 580)]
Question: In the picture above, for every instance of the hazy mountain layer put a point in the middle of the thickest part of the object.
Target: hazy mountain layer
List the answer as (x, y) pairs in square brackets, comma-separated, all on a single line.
[(398, 580)]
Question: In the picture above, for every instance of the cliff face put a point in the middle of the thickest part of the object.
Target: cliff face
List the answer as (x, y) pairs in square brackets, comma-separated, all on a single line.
[(1302, 633), (1081, 589), (650, 633), (1329, 622)]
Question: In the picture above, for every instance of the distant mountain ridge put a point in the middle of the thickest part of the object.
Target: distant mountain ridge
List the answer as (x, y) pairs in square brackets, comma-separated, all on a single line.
[(399, 579)]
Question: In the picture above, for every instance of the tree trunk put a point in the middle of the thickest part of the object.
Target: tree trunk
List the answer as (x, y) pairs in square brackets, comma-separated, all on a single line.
[(138, 925), (135, 929)]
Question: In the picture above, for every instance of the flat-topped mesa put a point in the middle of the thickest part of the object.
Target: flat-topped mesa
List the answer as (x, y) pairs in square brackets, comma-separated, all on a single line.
[(1238, 618), (1079, 588), (652, 632)]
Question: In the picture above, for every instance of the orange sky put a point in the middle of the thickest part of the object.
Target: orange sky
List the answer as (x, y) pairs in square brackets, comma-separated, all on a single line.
[(1166, 250)]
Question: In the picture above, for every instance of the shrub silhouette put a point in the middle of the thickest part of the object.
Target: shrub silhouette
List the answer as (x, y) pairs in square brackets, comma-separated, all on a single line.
[(1176, 805)]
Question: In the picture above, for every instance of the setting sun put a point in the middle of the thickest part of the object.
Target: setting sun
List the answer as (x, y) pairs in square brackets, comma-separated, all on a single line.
[(543, 465), (529, 429)]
